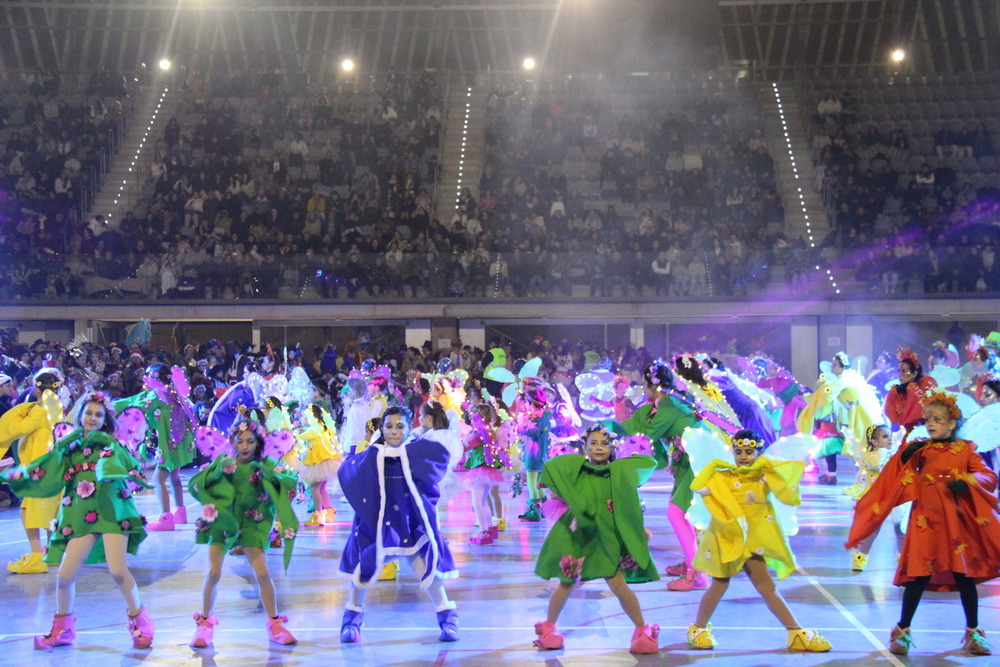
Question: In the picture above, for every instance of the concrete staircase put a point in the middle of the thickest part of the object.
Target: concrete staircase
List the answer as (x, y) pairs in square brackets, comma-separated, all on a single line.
[(128, 175), (789, 143), (461, 160)]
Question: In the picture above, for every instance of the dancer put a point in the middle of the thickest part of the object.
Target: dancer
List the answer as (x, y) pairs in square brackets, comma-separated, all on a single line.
[(170, 415), (601, 535), (32, 423), (745, 534), (903, 401), (319, 464), (393, 488), (533, 413), (485, 460), (98, 521), (870, 465), (242, 491), (664, 416), (953, 536)]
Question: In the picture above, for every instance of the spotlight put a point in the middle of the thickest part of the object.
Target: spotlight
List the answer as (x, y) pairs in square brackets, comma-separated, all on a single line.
[(165, 64), (898, 55), (347, 65), (528, 63)]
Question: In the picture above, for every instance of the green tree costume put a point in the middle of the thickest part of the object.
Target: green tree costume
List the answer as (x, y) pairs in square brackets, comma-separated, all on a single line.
[(169, 423), (601, 532), (93, 472), (244, 500), (669, 420)]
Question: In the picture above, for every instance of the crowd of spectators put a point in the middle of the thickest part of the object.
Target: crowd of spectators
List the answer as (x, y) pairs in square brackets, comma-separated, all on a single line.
[(908, 215)]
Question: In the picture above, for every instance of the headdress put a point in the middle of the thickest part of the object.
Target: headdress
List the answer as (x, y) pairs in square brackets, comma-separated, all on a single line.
[(48, 378), (844, 360), (945, 399), (906, 354), (601, 428), (872, 430), (755, 443)]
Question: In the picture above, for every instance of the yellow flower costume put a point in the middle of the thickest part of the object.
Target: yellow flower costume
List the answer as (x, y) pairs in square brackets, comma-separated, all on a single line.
[(33, 424), (744, 522)]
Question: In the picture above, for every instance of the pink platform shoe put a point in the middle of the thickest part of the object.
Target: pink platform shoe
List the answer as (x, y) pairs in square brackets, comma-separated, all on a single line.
[(63, 633), (141, 628), (482, 538), (549, 638), (277, 632), (180, 514), (161, 523), (205, 631), (645, 639), (677, 569), (693, 580)]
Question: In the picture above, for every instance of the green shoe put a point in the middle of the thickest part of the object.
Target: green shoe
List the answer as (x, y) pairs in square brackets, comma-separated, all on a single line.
[(534, 512)]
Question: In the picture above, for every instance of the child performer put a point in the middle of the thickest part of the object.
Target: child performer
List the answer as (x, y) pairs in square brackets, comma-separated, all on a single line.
[(953, 536), (600, 535), (393, 488), (436, 425), (320, 463), (241, 492), (533, 416), (98, 521), (745, 534), (870, 464), (485, 460), (32, 424)]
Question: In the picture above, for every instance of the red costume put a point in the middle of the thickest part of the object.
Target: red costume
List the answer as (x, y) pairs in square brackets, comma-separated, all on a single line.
[(947, 532), (905, 408)]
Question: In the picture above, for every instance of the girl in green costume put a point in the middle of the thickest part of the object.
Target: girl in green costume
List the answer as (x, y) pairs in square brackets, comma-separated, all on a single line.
[(601, 534), (93, 471)]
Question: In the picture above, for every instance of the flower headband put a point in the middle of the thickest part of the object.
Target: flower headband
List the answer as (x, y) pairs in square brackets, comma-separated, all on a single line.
[(748, 442), (945, 399), (247, 425), (872, 430), (906, 354), (601, 428)]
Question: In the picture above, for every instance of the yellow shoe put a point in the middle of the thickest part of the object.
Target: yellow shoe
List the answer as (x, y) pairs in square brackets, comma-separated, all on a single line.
[(316, 519), (30, 564), (860, 562), (389, 571), (809, 641), (502, 524), (17, 563), (331, 514), (701, 638)]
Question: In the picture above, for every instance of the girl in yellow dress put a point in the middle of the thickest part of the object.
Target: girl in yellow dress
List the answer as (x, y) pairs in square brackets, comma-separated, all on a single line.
[(320, 460), (745, 534)]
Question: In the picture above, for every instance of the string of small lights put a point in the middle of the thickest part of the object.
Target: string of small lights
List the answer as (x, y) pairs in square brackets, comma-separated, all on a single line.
[(140, 147), (795, 172)]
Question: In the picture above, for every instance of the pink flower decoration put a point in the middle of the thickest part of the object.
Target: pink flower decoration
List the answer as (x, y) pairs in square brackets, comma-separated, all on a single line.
[(67, 531), (85, 489), (571, 567), (90, 517), (106, 452), (627, 563), (611, 505), (572, 525), (67, 500), (229, 469), (209, 512), (68, 476), (289, 533), (36, 474), (125, 525), (87, 451)]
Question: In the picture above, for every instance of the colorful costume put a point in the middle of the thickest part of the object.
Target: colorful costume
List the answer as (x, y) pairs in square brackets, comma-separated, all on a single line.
[(667, 419), (321, 453), (240, 502), (171, 419), (33, 424), (947, 531), (96, 475), (486, 459), (744, 522), (903, 408), (602, 531), (394, 493)]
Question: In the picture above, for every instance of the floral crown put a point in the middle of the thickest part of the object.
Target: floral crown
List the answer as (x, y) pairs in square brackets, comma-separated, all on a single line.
[(601, 428), (247, 425), (906, 354), (653, 372), (947, 400), (748, 442), (872, 430)]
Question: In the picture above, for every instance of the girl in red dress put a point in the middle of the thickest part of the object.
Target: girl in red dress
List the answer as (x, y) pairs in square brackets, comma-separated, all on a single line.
[(903, 401), (953, 536)]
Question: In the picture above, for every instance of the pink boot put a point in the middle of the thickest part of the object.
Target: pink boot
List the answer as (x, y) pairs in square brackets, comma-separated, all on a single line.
[(163, 522), (141, 628), (277, 632), (549, 638), (645, 639), (482, 538), (205, 632), (63, 632), (693, 580), (180, 514), (494, 533)]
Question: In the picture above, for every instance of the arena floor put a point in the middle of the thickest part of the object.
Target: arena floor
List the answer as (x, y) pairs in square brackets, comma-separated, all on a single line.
[(499, 600)]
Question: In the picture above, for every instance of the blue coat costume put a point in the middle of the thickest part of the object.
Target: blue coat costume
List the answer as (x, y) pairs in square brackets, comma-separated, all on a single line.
[(394, 493)]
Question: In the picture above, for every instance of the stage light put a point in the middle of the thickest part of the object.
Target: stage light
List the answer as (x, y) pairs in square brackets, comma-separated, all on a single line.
[(898, 55), (347, 65), (165, 64), (528, 63)]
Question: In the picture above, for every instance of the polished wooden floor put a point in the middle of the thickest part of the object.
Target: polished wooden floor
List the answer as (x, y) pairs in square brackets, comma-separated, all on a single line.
[(499, 600)]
